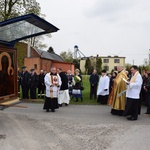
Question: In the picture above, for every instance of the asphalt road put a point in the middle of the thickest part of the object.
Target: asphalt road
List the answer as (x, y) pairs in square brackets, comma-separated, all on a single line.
[(73, 127)]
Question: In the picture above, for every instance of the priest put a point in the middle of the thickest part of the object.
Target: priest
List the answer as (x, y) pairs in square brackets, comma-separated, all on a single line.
[(133, 94), (52, 82), (118, 102)]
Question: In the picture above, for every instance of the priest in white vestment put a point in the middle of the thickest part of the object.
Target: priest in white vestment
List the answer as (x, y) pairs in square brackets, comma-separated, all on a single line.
[(103, 88), (132, 107), (52, 83)]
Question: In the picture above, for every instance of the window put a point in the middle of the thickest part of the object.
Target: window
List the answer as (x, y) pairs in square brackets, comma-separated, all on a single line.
[(35, 66), (115, 67), (105, 60), (116, 60), (106, 68)]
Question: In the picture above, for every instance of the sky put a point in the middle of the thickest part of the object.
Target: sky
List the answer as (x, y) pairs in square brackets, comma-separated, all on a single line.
[(103, 27)]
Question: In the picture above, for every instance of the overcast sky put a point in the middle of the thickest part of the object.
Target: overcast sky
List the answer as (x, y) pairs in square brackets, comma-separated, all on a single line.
[(103, 27)]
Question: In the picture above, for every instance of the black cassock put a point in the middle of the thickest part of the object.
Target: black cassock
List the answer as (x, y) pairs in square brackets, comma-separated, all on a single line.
[(64, 79), (33, 82), (24, 84), (51, 103)]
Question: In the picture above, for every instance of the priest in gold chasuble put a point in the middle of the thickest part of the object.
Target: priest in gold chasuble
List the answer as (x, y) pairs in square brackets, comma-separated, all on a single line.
[(118, 102), (52, 82)]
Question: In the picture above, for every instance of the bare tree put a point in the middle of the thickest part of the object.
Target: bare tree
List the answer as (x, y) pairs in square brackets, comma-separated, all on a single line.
[(13, 8), (67, 56)]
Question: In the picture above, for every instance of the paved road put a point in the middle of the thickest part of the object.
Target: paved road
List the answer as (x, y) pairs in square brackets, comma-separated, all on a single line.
[(73, 127)]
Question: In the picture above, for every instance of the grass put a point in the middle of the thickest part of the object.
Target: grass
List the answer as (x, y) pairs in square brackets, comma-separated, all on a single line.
[(85, 95)]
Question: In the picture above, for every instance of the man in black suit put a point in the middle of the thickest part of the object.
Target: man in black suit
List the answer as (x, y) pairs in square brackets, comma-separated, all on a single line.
[(94, 78), (33, 82), (24, 82)]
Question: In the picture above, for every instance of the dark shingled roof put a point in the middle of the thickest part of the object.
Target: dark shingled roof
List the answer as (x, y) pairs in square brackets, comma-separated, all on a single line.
[(51, 56)]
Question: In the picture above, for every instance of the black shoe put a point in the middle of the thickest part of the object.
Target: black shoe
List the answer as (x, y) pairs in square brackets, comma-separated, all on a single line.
[(66, 104), (131, 118), (53, 110), (47, 110), (76, 100), (60, 105)]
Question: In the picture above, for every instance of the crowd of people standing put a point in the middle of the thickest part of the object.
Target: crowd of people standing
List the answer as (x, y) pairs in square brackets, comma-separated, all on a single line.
[(121, 90), (28, 82), (55, 86), (124, 91)]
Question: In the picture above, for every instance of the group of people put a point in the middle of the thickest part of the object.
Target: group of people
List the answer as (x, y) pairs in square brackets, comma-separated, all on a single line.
[(29, 82), (57, 85), (100, 87), (122, 91)]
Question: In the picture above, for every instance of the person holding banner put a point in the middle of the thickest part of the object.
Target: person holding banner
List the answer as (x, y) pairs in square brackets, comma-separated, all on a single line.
[(117, 100), (52, 83)]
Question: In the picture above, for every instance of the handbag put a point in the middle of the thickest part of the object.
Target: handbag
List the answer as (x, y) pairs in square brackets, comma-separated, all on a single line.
[(81, 87)]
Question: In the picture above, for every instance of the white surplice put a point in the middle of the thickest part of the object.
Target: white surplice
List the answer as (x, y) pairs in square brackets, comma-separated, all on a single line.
[(134, 88), (102, 85), (48, 84), (63, 97)]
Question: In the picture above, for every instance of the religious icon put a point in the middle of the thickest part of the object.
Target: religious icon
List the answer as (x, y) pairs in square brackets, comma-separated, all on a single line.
[(55, 80)]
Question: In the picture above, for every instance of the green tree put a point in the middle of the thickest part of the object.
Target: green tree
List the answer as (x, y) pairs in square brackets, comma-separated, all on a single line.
[(99, 65), (13, 8), (67, 56), (76, 63), (37, 42), (88, 67), (51, 50), (144, 67)]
